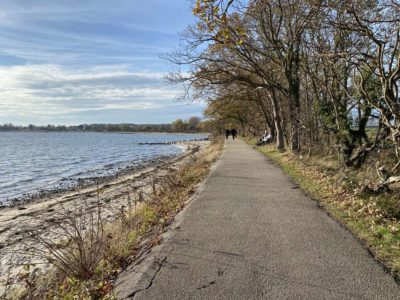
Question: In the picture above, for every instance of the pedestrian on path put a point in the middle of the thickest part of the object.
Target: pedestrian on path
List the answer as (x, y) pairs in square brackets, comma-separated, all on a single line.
[(234, 133), (227, 133)]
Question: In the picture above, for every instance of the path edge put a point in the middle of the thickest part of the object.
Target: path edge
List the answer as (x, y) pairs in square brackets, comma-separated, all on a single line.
[(141, 274)]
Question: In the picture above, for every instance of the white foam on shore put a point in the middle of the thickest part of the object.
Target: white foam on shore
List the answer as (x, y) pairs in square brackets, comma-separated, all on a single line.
[(182, 147)]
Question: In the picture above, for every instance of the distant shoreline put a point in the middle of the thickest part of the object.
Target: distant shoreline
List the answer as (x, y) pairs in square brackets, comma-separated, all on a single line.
[(94, 131), (178, 126)]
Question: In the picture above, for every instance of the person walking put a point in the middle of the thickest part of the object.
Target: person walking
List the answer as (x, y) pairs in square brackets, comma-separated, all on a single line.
[(227, 133), (234, 133)]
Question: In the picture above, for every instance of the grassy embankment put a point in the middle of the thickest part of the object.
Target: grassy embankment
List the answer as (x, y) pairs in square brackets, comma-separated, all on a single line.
[(374, 219), (92, 255)]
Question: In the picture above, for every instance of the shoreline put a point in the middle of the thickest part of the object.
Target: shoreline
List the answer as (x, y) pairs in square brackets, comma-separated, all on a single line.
[(80, 183), (114, 191), (72, 183)]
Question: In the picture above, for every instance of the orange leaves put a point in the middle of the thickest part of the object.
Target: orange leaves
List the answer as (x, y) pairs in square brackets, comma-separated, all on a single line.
[(205, 9), (225, 29)]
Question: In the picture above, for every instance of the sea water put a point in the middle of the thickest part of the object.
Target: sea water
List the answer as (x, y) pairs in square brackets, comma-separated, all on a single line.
[(34, 162)]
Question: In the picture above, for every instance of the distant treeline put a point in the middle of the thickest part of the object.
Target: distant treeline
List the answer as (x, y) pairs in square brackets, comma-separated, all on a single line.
[(125, 127), (91, 127)]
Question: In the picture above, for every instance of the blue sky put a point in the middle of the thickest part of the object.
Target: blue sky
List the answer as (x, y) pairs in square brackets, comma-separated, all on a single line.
[(90, 61)]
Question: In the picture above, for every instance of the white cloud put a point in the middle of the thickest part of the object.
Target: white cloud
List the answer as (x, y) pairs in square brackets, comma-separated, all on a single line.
[(91, 31), (76, 61), (49, 90)]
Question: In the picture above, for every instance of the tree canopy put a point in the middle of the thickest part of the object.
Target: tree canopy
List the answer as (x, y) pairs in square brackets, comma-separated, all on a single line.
[(316, 74)]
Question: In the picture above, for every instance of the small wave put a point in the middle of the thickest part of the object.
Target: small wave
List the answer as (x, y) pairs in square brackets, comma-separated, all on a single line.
[(182, 147), (22, 181)]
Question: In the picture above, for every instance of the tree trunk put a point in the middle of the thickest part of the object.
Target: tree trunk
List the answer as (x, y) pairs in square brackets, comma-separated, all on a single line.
[(280, 145), (268, 122), (293, 79), (243, 128), (294, 97)]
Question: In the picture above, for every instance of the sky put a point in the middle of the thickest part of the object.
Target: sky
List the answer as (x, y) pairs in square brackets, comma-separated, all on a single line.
[(90, 61)]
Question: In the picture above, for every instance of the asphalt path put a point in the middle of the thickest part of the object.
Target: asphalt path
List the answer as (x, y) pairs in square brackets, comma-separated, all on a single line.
[(253, 234)]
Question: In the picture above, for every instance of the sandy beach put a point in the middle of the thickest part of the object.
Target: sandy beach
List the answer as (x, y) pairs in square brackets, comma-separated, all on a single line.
[(35, 214)]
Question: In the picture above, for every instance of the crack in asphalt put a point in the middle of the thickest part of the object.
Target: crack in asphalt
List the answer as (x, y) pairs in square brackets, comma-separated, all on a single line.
[(160, 263), (206, 285)]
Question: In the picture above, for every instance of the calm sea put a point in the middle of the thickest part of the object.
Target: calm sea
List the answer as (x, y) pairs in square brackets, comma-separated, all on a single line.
[(38, 161)]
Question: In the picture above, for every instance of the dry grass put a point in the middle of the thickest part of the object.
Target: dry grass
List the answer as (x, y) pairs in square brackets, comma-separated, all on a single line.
[(90, 253), (373, 218), (80, 245)]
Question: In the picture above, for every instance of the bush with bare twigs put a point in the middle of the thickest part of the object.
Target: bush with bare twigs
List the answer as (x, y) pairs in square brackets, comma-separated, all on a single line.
[(75, 244)]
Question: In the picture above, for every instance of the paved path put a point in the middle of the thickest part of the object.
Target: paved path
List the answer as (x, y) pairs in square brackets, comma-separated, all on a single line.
[(252, 234)]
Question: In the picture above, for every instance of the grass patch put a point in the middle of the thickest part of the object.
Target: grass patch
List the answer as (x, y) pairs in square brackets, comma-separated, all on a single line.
[(372, 218), (138, 225)]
